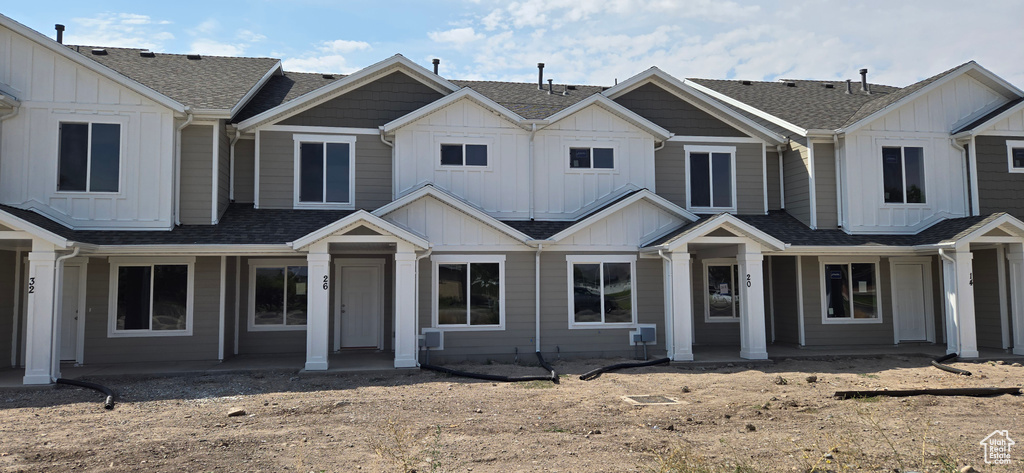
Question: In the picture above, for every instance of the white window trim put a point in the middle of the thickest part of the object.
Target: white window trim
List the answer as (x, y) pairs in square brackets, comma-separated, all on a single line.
[(123, 148), (570, 260), (901, 144), (117, 262), (463, 140), (255, 264), (613, 145), (688, 149), (1010, 145), (730, 262), (436, 261), (351, 141), (825, 320)]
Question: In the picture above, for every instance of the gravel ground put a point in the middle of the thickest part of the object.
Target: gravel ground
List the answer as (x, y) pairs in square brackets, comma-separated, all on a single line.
[(733, 418)]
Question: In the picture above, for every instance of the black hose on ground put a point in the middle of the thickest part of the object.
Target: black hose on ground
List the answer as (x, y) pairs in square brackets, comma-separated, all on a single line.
[(589, 375), (487, 377), (974, 392), (938, 364), (108, 403), (545, 365)]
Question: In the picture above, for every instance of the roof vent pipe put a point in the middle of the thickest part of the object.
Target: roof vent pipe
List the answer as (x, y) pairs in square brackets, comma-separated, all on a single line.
[(864, 80), (60, 32), (551, 85), (849, 86), (436, 62), (540, 76)]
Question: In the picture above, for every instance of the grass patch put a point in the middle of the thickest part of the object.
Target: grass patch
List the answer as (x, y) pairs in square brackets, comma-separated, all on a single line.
[(868, 375)]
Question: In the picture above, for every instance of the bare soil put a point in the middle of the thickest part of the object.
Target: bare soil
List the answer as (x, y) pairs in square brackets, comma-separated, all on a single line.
[(733, 418)]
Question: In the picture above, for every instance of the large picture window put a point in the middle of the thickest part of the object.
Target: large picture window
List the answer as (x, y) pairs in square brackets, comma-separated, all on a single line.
[(601, 291), (150, 298), (469, 292), (324, 171), (723, 301), (278, 294), (851, 292), (89, 157), (712, 181), (903, 174)]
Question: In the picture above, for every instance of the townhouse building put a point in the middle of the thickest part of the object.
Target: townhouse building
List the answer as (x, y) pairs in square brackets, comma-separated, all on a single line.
[(161, 207)]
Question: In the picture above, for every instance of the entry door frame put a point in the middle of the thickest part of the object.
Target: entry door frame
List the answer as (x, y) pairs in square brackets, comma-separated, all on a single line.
[(929, 294), (339, 263), (82, 264)]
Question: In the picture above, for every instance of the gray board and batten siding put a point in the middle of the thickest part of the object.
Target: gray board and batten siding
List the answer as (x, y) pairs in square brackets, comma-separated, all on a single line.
[(196, 174), (671, 179), (675, 114), (520, 320), (277, 171), (369, 106), (999, 190), (818, 333)]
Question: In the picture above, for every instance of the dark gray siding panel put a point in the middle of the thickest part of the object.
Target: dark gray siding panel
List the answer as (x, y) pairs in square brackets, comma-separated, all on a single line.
[(774, 192), (784, 298), (797, 175), (369, 106), (673, 113), (709, 333), (196, 174), (670, 173), (262, 342), (671, 180), (373, 172), (825, 185), (7, 277), (987, 317), (998, 189), (749, 178), (224, 170), (818, 333), (245, 152), (230, 285), (202, 345), (939, 300)]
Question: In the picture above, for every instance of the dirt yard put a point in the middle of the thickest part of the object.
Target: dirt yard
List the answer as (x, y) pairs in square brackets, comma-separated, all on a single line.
[(740, 418)]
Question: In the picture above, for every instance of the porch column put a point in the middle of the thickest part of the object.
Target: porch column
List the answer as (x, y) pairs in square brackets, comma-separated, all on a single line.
[(958, 284), (317, 307), (39, 325), (1015, 254), (753, 345), (405, 308), (682, 308)]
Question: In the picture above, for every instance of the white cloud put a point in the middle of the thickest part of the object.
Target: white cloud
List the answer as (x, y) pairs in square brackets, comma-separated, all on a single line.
[(210, 47), (127, 30), (249, 36), (342, 46), (457, 37), (330, 63)]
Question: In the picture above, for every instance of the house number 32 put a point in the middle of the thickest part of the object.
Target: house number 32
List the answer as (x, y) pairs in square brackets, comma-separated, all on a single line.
[(325, 283), (748, 280), (31, 285)]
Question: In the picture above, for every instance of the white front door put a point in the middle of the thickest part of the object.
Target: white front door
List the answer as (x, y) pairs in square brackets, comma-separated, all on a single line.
[(69, 314), (910, 296), (360, 304)]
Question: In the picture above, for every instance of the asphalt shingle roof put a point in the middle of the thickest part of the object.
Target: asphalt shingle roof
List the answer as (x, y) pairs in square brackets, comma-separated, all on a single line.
[(211, 82), (544, 229), (284, 88), (526, 100), (240, 225)]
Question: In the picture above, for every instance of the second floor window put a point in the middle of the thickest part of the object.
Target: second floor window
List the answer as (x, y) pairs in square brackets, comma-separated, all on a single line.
[(1015, 155), (591, 158), (903, 174), (463, 155), (324, 171), (89, 157), (711, 171)]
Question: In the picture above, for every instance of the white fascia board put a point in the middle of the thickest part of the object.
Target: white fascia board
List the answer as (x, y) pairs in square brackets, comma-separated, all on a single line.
[(744, 106), (617, 109), (454, 202), (1004, 219), (873, 250), (216, 250), (60, 49), (16, 223), (991, 80), (989, 123), (994, 83), (276, 70), (643, 194), (726, 220), (357, 218), (465, 93), (327, 92)]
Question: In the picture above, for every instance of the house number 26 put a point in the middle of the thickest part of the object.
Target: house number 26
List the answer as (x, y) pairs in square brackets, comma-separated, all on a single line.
[(325, 283), (31, 285), (748, 280)]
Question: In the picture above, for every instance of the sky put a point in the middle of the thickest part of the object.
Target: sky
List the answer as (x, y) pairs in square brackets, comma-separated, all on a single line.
[(580, 41)]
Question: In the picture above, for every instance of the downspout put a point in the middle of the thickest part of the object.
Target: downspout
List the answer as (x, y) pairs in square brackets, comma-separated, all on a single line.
[(973, 163), (968, 178), (533, 131), (536, 293), (231, 154), (58, 287), (177, 169), (384, 140), (416, 293), (782, 180), (13, 114), (839, 180), (661, 146), (670, 296)]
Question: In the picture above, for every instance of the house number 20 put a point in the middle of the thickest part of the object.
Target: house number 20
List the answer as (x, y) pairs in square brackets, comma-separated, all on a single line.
[(325, 283), (31, 285), (748, 280)]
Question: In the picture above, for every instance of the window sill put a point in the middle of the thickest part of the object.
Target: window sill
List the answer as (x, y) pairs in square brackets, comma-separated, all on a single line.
[(316, 206), (469, 328), (712, 210), (892, 205), (722, 320), (277, 328), (848, 321), (601, 325), (148, 333), (89, 193)]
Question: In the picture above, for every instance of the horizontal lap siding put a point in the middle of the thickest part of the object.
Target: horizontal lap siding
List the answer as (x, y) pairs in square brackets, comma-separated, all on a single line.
[(797, 178), (987, 317), (787, 312), (825, 185), (369, 106), (709, 333), (196, 174), (818, 333), (673, 113), (7, 279), (938, 300), (245, 152), (277, 170), (201, 345), (998, 189), (749, 178), (774, 192), (671, 180), (373, 172), (251, 342), (670, 173), (223, 170), (230, 284)]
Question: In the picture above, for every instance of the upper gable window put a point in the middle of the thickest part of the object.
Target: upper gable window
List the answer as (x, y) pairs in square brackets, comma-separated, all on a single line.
[(591, 158), (1015, 155), (903, 174), (89, 157), (712, 176), (463, 154), (324, 171)]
